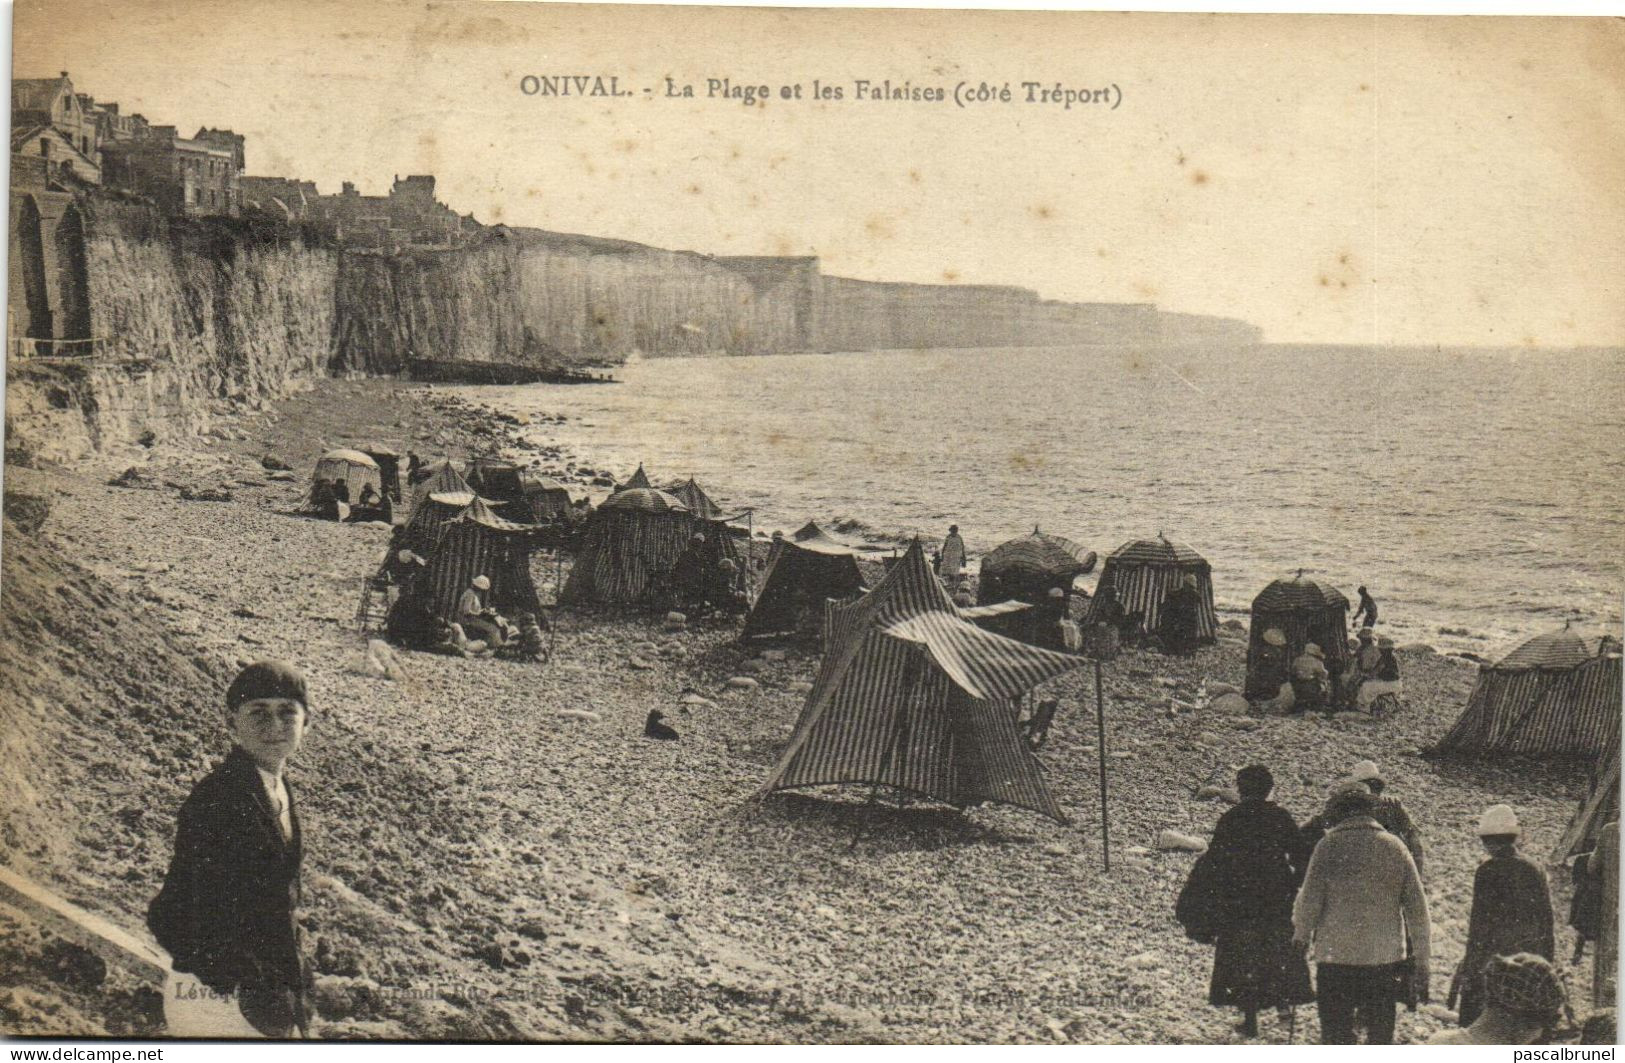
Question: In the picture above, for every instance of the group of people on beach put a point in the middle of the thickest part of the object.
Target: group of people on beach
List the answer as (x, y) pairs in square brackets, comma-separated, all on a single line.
[(1346, 889)]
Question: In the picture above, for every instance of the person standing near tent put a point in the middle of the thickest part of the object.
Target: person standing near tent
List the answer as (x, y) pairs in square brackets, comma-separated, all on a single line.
[(951, 563), (1511, 913), (226, 913), (1361, 909), (1258, 862), (1367, 609)]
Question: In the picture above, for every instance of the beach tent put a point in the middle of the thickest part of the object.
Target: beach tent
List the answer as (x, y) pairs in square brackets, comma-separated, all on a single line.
[(495, 479), (389, 467), (1142, 573), (443, 479), (1552, 694), (913, 697), (639, 481), (354, 468), (1599, 806), (803, 572), (1025, 569), (630, 545), (547, 499), (477, 542), (1014, 618), (698, 502), (1303, 611)]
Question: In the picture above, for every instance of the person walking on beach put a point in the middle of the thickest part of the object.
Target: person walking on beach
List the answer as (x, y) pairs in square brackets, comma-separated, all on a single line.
[(1361, 900), (1368, 609), (1258, 862), (1388, 810), (951, 566), (1524, 1001), (1511, 913), (226, 913)]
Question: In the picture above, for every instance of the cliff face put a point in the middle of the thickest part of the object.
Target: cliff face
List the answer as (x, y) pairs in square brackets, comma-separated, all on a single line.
[(191, 315)]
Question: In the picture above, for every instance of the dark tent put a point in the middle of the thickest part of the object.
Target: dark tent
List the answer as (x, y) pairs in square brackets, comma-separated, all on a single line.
[(1598, 807), (548, 499), (389, 468), (1552, 694), (630, 545), (442, 479), (1026, 569), (912, 697), (479, 543), (1303, 611), (698, 502), (1016, 619), (1141, 575), (501, 484), (804, 571), (352, 468), (639, 481)]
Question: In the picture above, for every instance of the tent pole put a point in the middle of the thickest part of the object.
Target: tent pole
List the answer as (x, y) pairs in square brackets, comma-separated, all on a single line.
[(1100, 729)]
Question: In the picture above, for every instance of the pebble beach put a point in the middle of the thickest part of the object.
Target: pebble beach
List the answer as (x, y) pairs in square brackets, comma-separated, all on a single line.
[(494, 850)]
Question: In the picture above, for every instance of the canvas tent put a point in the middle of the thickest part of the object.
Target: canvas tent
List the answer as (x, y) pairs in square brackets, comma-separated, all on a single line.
[(1025, 569), (354, 468), (1552, 694), (1303, 611), (442, 479), (495, 480), (479, 543), (913, 697), (638, 481), (805, 570), (688, 492), (1597, 808), (389, 467), (1142, 573), (631, 543), (547, 499)]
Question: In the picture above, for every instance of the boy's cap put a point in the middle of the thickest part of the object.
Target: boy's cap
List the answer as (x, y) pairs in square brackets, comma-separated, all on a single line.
[(267, 679)]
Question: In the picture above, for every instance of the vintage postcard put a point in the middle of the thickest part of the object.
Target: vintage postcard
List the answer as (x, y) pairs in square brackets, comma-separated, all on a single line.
[(547, 522)]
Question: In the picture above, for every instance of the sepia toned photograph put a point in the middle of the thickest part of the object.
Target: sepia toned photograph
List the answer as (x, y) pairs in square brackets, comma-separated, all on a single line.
[(541, 522)]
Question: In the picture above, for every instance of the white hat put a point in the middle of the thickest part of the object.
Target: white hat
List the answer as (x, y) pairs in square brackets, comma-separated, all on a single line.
[(1274, 636), (1364, 771), (482, 583), (1498, 819)]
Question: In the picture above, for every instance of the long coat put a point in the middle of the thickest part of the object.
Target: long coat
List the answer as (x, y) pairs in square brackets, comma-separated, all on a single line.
[(226, 910), (1512, 912), (1259, 861)]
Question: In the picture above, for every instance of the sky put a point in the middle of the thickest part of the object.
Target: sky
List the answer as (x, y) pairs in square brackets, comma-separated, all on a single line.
[(1333, 179)]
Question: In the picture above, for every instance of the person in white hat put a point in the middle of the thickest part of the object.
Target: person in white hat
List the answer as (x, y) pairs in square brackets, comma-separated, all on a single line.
[(1387, 810), (474, 616), (1512, 910)]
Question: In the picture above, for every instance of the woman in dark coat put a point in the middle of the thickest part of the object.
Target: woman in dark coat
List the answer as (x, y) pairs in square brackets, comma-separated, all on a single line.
[(1260, 861), (1512, 909)]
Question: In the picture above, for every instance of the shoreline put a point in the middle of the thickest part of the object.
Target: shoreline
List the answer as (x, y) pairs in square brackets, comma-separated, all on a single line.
[(495, 851)]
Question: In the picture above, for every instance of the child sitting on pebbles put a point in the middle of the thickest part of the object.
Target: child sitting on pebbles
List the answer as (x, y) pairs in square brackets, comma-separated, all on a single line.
[(226, 913)]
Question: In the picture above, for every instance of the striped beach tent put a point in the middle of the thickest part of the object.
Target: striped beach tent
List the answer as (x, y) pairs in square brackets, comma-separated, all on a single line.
[(630, 545), (498, 481), (443, 479), (689, 493), (803, 572), (1599, 806), (1552, 694), (548, 499), (477, 542), (913, 697), (1026, 568), (1142, 573), (352, 467), (638, 481), (1303, 611)]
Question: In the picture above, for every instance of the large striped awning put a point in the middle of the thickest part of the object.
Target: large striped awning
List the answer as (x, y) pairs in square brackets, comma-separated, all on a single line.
[(986, 666), (639, 479), (1301, 592), (1158, 551), (690, 494), (1039, 555), (644, 500)]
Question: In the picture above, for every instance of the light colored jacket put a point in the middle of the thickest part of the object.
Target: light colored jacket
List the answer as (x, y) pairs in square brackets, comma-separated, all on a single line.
[(1360, 897), (953, 555)]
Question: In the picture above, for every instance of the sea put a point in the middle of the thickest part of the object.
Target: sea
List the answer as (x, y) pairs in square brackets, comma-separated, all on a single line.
[(1478, 493)]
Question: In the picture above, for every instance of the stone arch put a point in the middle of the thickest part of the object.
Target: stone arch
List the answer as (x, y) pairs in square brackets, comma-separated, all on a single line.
[(33, 300), (73, 277)]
